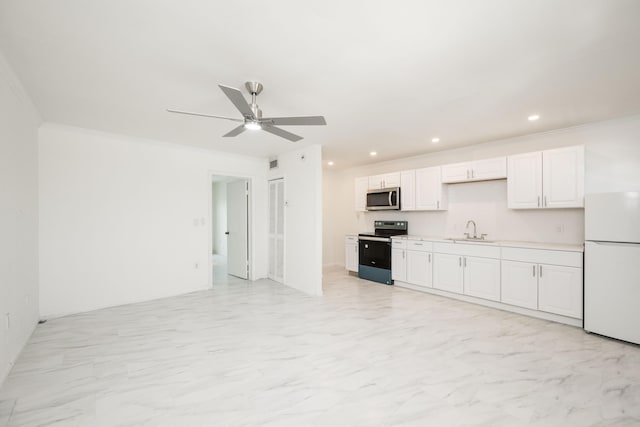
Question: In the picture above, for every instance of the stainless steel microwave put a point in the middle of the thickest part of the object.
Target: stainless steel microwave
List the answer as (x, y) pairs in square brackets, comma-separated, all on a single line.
[(383, 199)]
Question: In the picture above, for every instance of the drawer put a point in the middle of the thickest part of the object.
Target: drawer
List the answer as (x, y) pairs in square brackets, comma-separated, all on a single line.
[(419, 246), (398, 243), (351, 239), (543, 256), (470, 249)]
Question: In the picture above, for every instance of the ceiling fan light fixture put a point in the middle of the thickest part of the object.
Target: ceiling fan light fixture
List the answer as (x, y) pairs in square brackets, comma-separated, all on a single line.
[(252, 125)]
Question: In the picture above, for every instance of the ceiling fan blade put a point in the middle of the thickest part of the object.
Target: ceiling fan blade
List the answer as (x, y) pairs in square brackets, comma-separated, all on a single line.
[(238, 100), (296, 121), (235, 131), (282, 133), (190, 113)]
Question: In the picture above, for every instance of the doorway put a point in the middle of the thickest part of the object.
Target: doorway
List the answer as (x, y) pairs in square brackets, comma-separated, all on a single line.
[(230, 237)]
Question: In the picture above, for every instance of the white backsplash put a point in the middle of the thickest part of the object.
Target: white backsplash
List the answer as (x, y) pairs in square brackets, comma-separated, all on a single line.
[(486, 203)]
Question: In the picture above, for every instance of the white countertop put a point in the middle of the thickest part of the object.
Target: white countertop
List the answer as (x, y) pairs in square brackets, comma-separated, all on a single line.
[(501, 243)]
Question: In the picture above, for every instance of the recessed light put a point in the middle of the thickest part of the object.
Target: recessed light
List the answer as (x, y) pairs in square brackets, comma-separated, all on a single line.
[(373, 153), (434, 140), (330, 163), (533, 117)]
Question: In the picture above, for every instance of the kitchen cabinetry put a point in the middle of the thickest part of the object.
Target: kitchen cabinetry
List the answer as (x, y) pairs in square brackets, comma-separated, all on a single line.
[(467, 269), (479, 170), (546, 179), (408, 190), (398, 260), (351, 253), (387, 180), (360, 195), (429, 192), (419, 263), (532, 278)]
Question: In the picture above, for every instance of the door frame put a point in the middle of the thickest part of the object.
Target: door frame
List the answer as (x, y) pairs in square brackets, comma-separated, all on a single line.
[(250, 223), (284, 221)]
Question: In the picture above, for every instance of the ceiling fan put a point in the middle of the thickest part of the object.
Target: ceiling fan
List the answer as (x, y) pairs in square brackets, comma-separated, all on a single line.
[(252, 115)]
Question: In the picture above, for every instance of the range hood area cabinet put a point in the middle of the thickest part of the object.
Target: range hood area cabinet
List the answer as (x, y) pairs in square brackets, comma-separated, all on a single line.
[(422, 190), (387, 180), (479, 170), (546, 179)]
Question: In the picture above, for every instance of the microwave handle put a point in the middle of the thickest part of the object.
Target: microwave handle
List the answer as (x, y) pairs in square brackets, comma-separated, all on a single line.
[(390, 193)]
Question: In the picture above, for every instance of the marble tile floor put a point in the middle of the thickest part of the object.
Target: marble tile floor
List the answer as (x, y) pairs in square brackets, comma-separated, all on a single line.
[(364, 354)]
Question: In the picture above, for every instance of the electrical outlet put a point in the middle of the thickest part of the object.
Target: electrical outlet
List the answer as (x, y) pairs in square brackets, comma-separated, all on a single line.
[(560, 228), (197, 265)]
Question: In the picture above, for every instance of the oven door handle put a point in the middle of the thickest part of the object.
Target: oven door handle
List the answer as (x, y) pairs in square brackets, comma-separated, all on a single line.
[(374, 239)]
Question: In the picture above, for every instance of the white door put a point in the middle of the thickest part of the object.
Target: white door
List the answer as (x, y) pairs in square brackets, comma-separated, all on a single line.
[(456, 172), (398, 265), (489, 169), (524, 181), (563, 179), (351, 253), (520, 284), (482, 277), (408, 190), (560, 290), (447, 272), (419, 268), (237, 228), (428, 189), (276, 230)]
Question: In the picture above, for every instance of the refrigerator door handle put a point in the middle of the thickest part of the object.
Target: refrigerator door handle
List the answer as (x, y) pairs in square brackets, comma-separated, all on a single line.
[(605, 243)]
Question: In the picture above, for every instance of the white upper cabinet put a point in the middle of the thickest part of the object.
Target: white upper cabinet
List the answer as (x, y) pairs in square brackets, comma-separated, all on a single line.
[(408, 190), (563, 177), (386, 180), (479, 170), (429, 194), (524, 184), (546, 179), (361, 186)]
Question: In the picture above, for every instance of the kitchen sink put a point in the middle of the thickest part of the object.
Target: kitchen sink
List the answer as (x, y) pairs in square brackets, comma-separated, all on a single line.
[(465, 240)]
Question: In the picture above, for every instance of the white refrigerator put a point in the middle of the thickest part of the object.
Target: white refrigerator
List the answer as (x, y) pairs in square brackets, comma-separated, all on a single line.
[(612, 265)]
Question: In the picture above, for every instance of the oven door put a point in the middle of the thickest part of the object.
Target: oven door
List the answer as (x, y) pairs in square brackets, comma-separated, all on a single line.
[(375, 252)]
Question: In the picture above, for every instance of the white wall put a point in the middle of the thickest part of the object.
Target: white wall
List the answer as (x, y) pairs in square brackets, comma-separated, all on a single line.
[(302, 173), (19, 122), (219, 226), (125, 220), (612, 163)]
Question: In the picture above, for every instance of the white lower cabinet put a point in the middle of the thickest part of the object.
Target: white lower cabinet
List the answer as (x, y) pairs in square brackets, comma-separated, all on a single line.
[(398, 260), (560, 290), (533, 278), (520, 284), (447, 272), (351, 253), (482, 277), (419, 263)]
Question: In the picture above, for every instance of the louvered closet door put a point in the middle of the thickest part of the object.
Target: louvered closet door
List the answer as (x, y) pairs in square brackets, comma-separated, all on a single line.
[(276, 230)]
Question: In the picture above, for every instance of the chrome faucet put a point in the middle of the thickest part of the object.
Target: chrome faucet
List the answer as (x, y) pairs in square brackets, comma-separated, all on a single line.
[(475, 234)]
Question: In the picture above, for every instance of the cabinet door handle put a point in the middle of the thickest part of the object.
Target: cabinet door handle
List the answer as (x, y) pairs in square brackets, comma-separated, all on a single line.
[(429, 258), (545, 201), (438, 204), (471, 173), (402, 254), (538, 201), (534, 271), (465, 262), (417, 244), (460, 261), (540, 267), (467, 173)]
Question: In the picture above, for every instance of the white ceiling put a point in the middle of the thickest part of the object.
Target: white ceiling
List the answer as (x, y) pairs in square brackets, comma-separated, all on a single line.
[(388, 76)]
